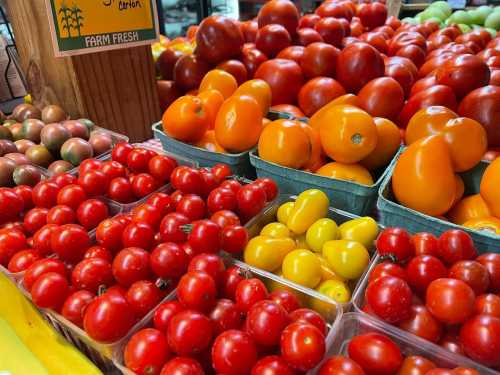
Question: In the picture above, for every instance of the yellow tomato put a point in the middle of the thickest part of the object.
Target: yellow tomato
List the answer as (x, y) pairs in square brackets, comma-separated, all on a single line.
[(321, 231), (348, 172), (302, 267), (275, 230), (326, 271), (284, 212), (336, 290), (301, 242), (267, 253), (347, 258), (310, 206), (363, 230), (487, 224)]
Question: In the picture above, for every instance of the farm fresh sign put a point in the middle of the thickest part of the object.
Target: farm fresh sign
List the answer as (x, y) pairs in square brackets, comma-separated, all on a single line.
[(85, 26)]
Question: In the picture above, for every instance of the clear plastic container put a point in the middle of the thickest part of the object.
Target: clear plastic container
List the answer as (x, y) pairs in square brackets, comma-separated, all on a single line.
[(331, 312), (268, 215), (352, 324)]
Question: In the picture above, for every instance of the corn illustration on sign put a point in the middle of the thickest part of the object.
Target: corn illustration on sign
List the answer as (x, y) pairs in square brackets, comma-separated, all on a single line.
[(86, 26)]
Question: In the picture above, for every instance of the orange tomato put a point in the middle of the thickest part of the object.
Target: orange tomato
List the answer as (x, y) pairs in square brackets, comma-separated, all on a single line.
[(315, 160), (212, 100), (427, 121), (285, 142), (238, 124), (388, 142), (349, 99), (186, 119), (193, 92), (490, 187), (265, 121), (208, 142), (290, 109), (423, 177), (487, 224), (348, 134), (220, 80), (471, 207), (349, 172), (259, 90), (459, 188)]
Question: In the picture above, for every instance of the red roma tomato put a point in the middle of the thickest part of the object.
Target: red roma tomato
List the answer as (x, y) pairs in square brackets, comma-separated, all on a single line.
[(311, 317), (186, 179), (94, 182), (284, 77), (375, 353), (340, 365), (252, 58), (487, 304), (98, 252), (143, 296), (318, 92), (234, 352), (271, 39), (161, 167), (131, 265), (472, 273), (41, 267), (492, 263), (480, 337), (88, 165), (382, 97), (162, 202), (22, 260), (74, 307), (91, 212), (50, 291), (319, 60), (225, 316), (225, 218), (272, 365), (197, 290), (35, 219), (416, 365), (138, 159), (285, 299), (113, 169), (425, 244), (45, 194), (372, 14), (331, 30), (91, 274), (236, 68), (387, 269), (251, 200), (424, 269), (204, 237), (25, 192), (182, 366), (401, 73), (211, 264), (231, 279), (109, 234), (281, 12), (302, 346), (108, 318), (11, 241), (138, 235), (294, 53), (395, 242), (41, 239), (221, 172), (168, 260), (60, 215), (63, 179), (421, 323), (171, 228), (233, 239), (249, 292), (449, 300), (389, 298), (164, 313), (308, 20), (189, 333), (120, 190), (69, 242), (71, 196), (265, 322), (192, 206), (455, 245), (221, 199), (146, 352), (147, 213), (143, 184)]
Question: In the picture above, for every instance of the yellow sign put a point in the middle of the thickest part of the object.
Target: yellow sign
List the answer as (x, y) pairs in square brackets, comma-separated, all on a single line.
[(85, 26)]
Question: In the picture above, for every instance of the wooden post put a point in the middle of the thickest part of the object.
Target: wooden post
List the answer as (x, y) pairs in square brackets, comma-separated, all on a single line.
[(116, 89)]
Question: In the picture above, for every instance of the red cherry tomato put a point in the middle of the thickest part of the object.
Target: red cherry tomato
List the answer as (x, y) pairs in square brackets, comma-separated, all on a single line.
[(389, 298), (233, 185), (234, 352), (285, 299), (302, 346), (192, 206), (138, 235), (421, 323), (109, 234), (251, 200), (162, 202), (271, 365), (188, 180), (416, 365), (221, 172), (61, 215), (45, 194), (94, 182), (138, 160), (204, 237), (64, 179), (480, 337), (113, 169), (71, 196), (69, 242), (91, 212), (455, 245), (225, 218), (225, 316), (265, 322), (131, 265), (161, 167), (91, 274), (449, 300), (120, 190), (472, 273), (143, 184), (164, 313), (168, 260), (41, 239), (176, 196), (148, 214), (25, 192), (211, 264), (387, 269), (143, 296), (269, 186), (88, 165), (182, 366), (74, 307), (35, 219), (424, 269), (50, 291), (487, 304), (41, 267), (120, 152), (197, 290), (425, 244), (189, 333), (221, 199), (171, 228), (98, 252), (249, 292), (233, 239), (12, 204), (22, 260), (230, 281), (146, 352), (492, 263), (395, 242), (311, 317), (209, 182), (340, 365)]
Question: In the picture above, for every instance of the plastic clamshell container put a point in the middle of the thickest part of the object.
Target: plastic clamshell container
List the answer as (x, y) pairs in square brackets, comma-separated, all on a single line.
[(394, 214), (345, 195), (353, 324), (239, 163), (331, 312), (268, 215)]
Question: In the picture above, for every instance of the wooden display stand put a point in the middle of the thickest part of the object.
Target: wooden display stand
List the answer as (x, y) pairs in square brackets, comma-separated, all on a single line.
[(116, 89)]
